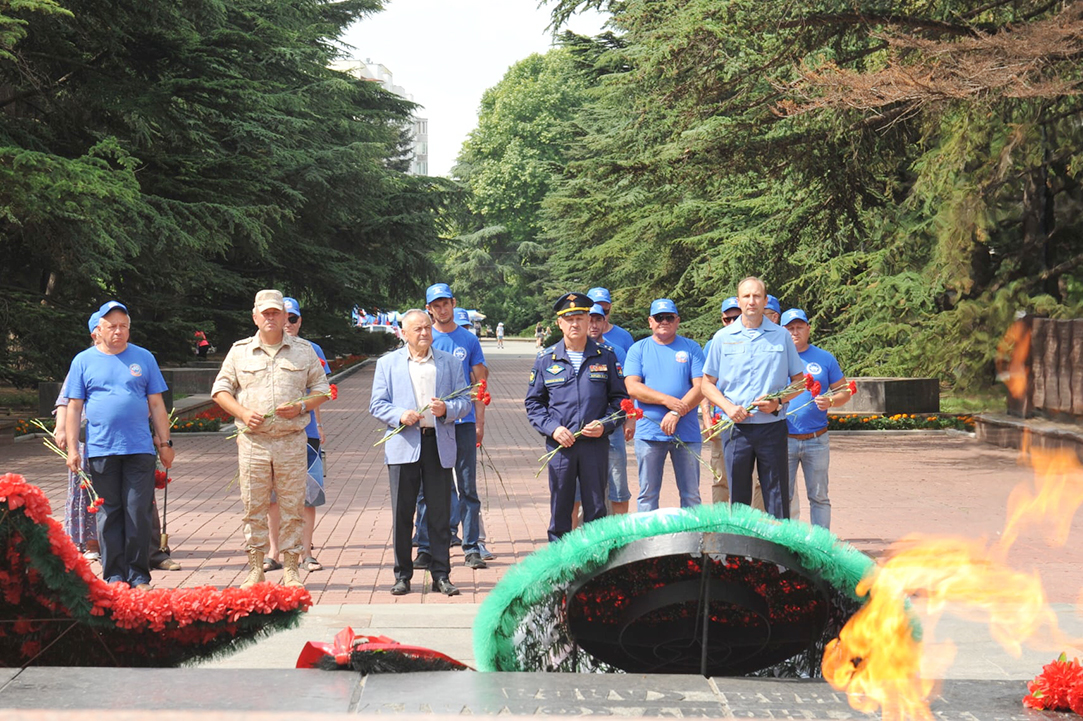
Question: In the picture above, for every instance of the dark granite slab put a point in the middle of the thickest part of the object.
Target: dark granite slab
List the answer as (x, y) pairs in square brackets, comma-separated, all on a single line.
[(187, 689)]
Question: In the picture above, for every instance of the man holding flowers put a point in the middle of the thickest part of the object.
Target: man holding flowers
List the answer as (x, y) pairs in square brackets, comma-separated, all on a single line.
[(749, 362), (574, 400), (663, 372), (807, 422), (262, 384), (120, 385), (419, 392)]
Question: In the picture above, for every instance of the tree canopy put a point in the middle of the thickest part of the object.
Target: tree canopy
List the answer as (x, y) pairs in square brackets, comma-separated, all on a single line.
[(872, 161), (180, 156)]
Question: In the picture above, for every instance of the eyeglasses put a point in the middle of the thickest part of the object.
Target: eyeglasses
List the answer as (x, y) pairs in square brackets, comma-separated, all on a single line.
[(727, 319), (664, 318), (292, 319)]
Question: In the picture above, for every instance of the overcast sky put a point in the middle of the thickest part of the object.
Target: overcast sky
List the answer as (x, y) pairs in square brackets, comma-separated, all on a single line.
[(446, 53)]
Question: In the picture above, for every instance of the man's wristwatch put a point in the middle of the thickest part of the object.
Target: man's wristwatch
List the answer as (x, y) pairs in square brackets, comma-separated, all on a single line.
[(165, 444), (676, 413)]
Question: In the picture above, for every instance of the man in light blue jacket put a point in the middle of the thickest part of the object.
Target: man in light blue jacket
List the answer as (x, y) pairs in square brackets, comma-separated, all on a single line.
[(411, 388)]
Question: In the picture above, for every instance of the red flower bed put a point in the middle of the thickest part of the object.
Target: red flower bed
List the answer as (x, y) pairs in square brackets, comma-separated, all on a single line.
[(65, 615)]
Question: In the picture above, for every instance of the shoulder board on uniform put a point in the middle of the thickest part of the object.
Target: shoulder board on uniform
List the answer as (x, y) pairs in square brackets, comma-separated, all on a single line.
[(550, 349), (244, 341)]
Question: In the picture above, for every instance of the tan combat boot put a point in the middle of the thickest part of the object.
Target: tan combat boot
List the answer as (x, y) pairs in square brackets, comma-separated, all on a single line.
[(290, 575), (255, 569)]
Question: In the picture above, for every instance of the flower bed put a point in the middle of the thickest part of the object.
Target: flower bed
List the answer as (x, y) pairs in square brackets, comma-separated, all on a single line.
[(340, 363), (26, 426), (62, 614), (898, 422)]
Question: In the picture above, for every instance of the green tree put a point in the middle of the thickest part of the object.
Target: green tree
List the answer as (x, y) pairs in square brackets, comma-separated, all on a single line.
[(506, 166), (180, 156), (728, 139)]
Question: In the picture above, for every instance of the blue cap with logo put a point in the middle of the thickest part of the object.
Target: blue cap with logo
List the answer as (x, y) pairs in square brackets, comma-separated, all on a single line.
[(597, 310), (111, 305), (438, 291), (663, 305), (94, 320), (599, 295), (730, 304), (462, 317), (791, 315), (292, 306), (773, 304)]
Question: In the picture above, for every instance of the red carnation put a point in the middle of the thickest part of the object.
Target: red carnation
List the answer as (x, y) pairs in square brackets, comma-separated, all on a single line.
[(1053, 685), (1075, 697), (627, 405), (809, 380), (99, 501), (91, 509), (853, 387), (334, 391), (815, 389), (161, 478), (485, 398), (483, 385)]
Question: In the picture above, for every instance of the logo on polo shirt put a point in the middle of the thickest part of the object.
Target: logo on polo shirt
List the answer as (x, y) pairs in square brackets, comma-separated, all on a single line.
[(135, 370), (460, 353), (814, 368), (681, 356)]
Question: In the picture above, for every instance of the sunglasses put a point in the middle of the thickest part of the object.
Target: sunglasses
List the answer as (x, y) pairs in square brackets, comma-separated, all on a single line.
[(293, 319), (664, 318), (727, 319)]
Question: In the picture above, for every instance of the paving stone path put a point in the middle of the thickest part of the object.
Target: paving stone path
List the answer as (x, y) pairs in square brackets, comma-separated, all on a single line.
[(882, 488)]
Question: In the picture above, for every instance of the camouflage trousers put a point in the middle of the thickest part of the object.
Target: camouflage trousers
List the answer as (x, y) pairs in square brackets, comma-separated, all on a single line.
[(279, 464)]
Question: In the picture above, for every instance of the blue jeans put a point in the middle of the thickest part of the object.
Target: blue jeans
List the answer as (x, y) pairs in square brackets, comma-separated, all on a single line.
[(763, 445), (465, 504), (651, 458), (814, 456)]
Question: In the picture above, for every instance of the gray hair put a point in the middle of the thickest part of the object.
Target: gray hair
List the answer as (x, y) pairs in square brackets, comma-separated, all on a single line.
[(415, 311)]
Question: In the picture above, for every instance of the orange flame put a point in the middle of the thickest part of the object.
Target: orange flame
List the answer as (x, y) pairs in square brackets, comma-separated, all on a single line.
[(880, 659), (1011, 359)]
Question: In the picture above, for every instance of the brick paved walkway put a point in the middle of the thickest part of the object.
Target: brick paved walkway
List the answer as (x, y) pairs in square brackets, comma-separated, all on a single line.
[(882, 488)]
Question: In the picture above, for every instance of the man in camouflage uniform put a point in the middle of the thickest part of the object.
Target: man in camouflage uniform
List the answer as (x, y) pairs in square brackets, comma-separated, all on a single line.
[(270, 372)]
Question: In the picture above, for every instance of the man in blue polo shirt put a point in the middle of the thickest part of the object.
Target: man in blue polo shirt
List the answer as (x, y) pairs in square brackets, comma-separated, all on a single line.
[(808, 444), (120, 384), (663, 374), (449, 336), (613, 333), (749, 359)]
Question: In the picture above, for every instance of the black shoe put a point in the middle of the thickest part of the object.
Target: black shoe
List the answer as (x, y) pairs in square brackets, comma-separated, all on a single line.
[(401, 587), (446, 587), (473, 560), (423, 560)]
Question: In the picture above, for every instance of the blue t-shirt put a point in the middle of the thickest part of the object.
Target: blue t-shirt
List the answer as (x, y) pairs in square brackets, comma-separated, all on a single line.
[(618, 336), (751, 362), (822, 366), (311, 430), (465, 346), (621, 353), (667, 369), (114, 389)]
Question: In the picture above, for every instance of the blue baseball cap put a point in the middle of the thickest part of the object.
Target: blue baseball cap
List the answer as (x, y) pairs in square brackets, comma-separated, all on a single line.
[(599, 295), (730, 304), (597, 310), (292, 306), (94, 320), (462, 317), (791, 315), (438, 291), (663, 305), (773, 304), (111, 305)]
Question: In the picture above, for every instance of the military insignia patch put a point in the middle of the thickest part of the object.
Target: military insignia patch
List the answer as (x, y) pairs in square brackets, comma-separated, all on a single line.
[(554, 369), (620, 371), (599, 368), (533, 375)]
